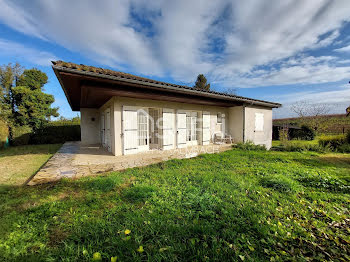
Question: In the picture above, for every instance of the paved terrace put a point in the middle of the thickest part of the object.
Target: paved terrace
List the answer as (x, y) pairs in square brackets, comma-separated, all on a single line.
[(74, 160)]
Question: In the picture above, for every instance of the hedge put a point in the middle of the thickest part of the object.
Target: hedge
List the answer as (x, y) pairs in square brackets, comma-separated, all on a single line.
[(46, 135), (333, 142), (56, 134), (21, 135)]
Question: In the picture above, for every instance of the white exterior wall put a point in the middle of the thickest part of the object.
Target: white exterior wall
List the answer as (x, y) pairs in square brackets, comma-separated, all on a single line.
[(119, 102), (235, 123), (239, 121), (90, 126), (258, 137)]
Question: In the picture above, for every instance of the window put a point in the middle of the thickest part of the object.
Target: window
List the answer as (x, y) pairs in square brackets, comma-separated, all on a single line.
[(219, 118), (142, 128), (191, 126), (259, 122)]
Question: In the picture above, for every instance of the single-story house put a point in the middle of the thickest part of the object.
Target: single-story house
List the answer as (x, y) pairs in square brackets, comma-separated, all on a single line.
[(129, 114)]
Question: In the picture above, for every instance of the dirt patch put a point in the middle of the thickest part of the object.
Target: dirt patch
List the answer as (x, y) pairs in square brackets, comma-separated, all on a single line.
[(56, 236)]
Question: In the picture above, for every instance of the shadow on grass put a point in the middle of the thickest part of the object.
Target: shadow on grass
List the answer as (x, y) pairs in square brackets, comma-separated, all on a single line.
[(323, 161)]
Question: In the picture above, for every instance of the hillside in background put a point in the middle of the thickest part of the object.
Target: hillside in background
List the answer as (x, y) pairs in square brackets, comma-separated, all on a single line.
[(328, 124)]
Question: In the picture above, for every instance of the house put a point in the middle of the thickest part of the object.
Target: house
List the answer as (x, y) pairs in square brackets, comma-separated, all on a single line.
[(129, 114)]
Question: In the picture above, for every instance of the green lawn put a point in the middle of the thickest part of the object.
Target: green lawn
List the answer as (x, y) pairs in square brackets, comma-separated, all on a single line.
[(233, 206), (19, 163)]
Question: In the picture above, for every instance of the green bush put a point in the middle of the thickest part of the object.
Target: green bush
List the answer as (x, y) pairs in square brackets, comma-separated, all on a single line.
[(305, 133), (250, 146), (345, 148), (347, 138), (333, 142), (21, 135), (4, 132), (56, 134)]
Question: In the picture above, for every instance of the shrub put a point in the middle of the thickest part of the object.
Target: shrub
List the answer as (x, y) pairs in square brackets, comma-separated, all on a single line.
[(250, 146), (283, 135), (56, 134), (333, 142), (345, 148), (305, 133), (21, 135), (347, 138), (4, 132)]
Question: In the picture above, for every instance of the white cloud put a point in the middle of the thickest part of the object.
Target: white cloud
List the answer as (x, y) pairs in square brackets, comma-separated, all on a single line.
[(337, 100), (233, 42), (299, 69), (343, 49), (13, 49), (18, 18)]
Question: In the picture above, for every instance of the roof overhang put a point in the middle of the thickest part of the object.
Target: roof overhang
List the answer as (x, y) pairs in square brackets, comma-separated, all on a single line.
[(85, 89)]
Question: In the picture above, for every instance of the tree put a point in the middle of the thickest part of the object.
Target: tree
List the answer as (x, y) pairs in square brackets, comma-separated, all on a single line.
[(9, 75), (306, 108), (308, 112), (22, 100), (348, 111), (230, 91), (201, 83)]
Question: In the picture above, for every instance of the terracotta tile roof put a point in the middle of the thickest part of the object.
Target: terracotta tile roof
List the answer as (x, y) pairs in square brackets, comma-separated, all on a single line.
[(121, 76)]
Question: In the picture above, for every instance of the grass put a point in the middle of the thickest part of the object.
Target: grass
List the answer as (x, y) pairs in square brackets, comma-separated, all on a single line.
[(276, 143), (18, 163), (234, 206)]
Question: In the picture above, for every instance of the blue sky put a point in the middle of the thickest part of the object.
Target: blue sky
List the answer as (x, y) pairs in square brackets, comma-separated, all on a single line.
[(282, 51)]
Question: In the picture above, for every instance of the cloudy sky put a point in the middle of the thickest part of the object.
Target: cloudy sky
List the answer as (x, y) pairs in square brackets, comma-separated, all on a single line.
[(283, 51)]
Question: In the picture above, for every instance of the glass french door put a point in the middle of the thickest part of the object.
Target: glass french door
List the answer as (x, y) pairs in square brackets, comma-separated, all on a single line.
[(142, 130), (191, 128)]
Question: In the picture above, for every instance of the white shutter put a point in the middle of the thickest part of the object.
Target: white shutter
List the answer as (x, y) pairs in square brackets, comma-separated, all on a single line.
[(206, 128), (108, 129), (130, 130), (259, 122), (168, 129), (181, 128)]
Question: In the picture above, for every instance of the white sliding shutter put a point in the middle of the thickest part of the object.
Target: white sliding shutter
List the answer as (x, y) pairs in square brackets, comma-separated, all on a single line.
[(168, 129), (181, 128), (206, 128), (130, 130), (108, 129), (259, 122)]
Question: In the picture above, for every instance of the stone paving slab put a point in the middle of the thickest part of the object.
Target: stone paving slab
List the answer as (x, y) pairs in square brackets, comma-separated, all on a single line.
[(74, 160)]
